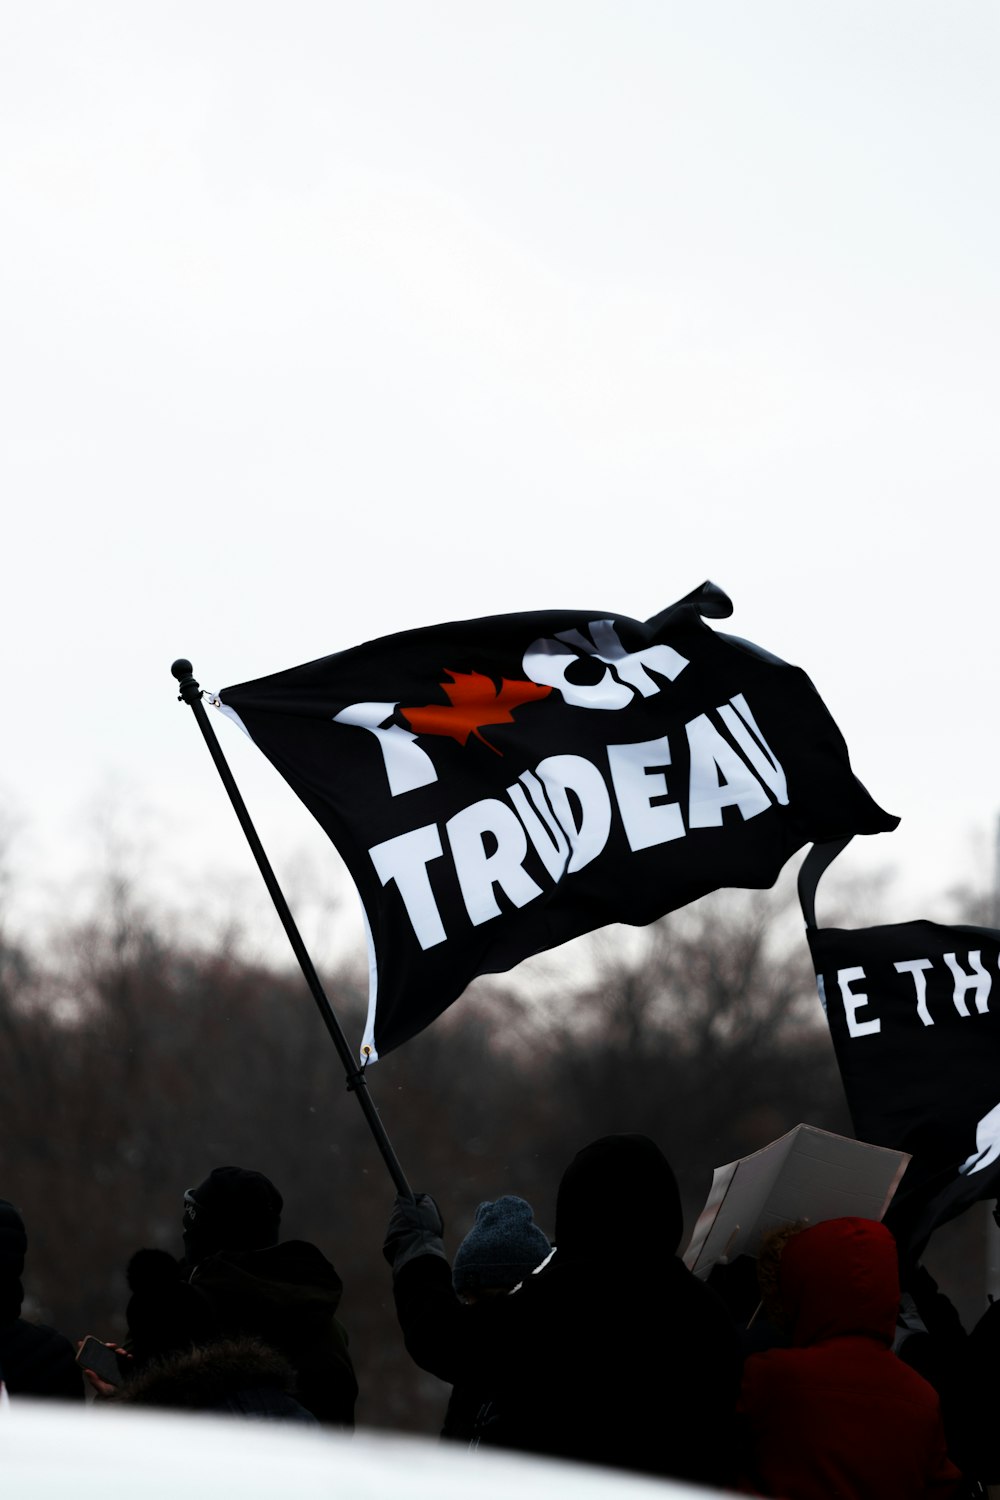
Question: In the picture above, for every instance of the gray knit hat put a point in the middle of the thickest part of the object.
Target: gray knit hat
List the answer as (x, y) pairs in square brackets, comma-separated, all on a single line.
[(502, 1247)]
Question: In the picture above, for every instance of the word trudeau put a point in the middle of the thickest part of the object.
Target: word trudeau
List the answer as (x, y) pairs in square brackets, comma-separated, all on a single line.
[(564, 810), (499, 786)]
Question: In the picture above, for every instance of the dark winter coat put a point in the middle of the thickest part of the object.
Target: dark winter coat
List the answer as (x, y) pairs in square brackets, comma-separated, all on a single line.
[(35, 1360), (838, 1416), (978, 1398), (466, 1406), (286, 1295), (613, 1353), (940, 1352), (38, 1361)]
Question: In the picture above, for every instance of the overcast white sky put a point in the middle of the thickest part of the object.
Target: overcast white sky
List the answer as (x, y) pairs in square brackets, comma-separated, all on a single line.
[(322, 320)]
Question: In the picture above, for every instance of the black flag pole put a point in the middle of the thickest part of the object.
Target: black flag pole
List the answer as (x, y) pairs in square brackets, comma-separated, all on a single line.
[(191, 693), (814, 866)]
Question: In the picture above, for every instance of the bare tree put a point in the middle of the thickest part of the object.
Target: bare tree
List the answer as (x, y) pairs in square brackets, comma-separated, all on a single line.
[(135, 1063)]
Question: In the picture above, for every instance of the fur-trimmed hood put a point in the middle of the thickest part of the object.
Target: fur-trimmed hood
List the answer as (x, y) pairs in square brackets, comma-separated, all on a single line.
[(242, 1375)]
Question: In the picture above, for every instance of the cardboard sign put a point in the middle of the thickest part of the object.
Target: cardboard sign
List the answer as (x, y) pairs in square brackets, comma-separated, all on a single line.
[(808, 1175)]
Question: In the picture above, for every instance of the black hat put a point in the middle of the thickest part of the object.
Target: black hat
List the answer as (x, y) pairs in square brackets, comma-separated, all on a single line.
[(233, 1209)]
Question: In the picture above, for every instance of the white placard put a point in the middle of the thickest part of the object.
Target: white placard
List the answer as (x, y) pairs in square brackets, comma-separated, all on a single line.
[(807, 1175)]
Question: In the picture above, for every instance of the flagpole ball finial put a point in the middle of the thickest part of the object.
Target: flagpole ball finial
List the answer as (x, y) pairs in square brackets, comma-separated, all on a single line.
[(184, 672)]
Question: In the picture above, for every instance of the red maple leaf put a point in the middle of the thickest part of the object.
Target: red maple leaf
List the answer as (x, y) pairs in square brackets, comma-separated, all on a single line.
[(473, 702)]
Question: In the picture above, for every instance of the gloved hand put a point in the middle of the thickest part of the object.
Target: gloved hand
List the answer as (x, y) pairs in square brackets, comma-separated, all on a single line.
[(415, 1228), (934, 1310)]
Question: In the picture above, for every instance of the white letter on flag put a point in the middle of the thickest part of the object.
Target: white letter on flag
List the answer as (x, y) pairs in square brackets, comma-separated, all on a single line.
[(636, 783), (719, 778), (979, 981), (547, 662), (560, 774), (478, 871), (406, 765), (853, 1003), (404, 859)]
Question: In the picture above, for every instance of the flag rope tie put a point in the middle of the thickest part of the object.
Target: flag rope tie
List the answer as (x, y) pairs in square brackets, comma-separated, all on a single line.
[(356, 1079)]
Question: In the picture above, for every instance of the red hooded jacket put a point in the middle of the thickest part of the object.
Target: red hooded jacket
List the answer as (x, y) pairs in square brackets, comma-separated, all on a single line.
[(838, 1416)]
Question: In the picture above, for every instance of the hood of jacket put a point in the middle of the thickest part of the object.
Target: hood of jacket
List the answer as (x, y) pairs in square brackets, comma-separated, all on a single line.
[(840, 1278), (290, 1280), (208, 1377), (618, 1203)]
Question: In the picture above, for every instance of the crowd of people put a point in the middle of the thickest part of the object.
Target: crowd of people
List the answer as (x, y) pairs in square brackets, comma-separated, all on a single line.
[(807, 1381)]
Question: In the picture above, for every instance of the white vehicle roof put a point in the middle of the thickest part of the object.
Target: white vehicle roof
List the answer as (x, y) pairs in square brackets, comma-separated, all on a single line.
[(53, 1452)]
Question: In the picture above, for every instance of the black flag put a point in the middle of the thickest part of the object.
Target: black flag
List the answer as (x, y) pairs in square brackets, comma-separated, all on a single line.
[(914, 1012), (498, 786)]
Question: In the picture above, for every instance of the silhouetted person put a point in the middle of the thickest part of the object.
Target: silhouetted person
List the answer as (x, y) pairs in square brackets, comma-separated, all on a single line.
[(35, 1360), (504, 1246), (613, 1353), (237, 1280), (963, 1368)]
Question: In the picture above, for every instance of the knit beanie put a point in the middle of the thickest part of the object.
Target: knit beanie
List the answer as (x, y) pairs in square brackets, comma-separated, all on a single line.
[(13, 1245), (501, 1249), (233, 1209)]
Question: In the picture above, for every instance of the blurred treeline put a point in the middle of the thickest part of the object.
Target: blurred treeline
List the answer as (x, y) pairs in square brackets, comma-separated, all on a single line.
[(134, 1060)]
